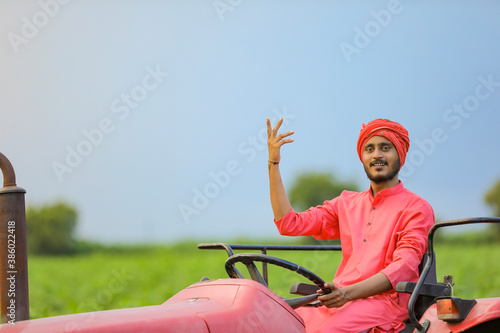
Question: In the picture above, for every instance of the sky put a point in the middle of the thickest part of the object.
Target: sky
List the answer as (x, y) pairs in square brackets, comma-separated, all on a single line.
[(149, 116)]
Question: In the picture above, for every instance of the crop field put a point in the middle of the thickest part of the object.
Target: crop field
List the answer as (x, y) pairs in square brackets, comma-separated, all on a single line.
[(149, 275)]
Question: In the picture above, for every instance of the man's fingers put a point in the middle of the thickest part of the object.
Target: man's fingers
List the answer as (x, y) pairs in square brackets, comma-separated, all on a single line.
[(277, 127), (331, 304), (332, 294), (282, 142), (330, 286), (272, 133), (330, 299), (284, 135), (335, 298)]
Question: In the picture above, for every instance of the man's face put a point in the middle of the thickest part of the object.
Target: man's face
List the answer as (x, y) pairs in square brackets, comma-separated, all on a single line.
[(380, 159)]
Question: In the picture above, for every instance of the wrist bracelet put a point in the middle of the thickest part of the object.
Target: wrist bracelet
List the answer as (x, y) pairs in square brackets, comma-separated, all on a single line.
[(273, 162)]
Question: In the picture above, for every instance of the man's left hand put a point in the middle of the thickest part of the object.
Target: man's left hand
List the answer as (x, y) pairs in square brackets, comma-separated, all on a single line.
[(336, 298)]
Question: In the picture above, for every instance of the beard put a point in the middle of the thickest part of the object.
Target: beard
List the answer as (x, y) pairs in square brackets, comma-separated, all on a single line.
[(381, 178)]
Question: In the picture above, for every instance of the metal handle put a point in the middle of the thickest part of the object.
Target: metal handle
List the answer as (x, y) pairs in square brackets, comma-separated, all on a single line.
[(9, 176), (14, 294)]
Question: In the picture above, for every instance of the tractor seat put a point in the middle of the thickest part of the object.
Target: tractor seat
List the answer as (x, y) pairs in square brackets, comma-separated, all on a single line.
[(428, 292)]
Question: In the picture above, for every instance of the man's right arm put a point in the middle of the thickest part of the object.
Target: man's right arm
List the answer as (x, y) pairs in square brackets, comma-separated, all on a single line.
[(279, 200)]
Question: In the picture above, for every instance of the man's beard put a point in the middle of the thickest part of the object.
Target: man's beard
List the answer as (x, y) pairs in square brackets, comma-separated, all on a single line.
[(377, 179)]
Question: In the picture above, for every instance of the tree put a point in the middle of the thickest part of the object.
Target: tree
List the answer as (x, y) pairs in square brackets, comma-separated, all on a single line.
[(492, 198), (312, 188), (50, 229)]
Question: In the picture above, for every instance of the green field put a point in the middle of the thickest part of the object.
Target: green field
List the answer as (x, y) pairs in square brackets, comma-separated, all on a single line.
[(150, 275)]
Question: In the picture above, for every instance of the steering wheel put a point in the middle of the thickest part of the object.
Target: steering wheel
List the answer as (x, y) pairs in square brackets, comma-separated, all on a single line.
[(248, 260)]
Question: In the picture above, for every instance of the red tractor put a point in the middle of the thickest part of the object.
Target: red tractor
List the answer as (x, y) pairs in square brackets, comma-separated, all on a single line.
[(243, 305)]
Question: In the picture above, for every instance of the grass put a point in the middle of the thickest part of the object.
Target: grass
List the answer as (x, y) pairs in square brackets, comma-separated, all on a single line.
[(107, 280), (475, 269), (137, 276)]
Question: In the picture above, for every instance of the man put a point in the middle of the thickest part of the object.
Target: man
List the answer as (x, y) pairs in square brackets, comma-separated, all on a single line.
[(383, 232)]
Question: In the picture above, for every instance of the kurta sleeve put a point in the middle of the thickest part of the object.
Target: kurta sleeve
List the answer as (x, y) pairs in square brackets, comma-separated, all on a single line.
[(411, 245), (321, 222)]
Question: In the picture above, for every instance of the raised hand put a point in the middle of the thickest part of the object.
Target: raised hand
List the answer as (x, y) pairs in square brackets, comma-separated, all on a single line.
[(275, 141)]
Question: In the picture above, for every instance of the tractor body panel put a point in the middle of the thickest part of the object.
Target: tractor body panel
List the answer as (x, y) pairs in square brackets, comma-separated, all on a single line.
[(486, 310), (237, 305), (227, 305)]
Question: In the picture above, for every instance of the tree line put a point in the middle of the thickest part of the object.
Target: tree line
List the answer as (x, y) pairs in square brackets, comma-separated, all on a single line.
[(51, 228)]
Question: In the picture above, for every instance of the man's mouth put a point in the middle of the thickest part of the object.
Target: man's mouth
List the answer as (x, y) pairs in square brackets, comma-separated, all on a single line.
[(378, 164)]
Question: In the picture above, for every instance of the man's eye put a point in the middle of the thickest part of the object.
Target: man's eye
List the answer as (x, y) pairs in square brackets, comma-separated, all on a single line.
[(369, 149)]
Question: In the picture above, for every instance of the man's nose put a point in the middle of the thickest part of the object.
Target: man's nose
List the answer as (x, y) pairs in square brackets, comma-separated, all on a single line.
[(377, 153)]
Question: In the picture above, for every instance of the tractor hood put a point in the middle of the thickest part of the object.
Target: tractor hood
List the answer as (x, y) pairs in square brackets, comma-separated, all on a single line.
[(227, 305)]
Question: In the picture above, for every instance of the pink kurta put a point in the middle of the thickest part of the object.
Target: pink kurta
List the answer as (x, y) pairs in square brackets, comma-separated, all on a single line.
[(385, 234)]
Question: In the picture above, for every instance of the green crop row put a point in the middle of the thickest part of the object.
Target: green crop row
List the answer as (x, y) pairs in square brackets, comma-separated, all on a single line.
[(150, 275)]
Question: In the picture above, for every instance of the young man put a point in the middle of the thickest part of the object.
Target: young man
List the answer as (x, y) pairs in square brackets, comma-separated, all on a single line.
[(383, 232)]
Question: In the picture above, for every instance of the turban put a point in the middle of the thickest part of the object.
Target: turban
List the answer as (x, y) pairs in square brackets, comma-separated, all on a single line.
[(390, 130)]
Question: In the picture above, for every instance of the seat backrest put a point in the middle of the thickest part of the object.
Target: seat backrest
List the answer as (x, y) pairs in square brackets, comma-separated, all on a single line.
[(432, 275), (423, 301)]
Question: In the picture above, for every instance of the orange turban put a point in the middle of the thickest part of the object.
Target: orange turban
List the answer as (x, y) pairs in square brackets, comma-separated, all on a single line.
[(390, 130)]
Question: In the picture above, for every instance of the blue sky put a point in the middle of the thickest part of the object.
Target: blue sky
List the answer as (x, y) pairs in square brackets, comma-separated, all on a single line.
[(149, 116)]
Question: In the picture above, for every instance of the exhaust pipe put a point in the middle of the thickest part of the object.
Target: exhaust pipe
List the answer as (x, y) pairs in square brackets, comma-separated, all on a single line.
[(14, 296)]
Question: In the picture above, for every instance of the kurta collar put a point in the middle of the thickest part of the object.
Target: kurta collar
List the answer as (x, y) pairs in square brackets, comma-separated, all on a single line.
[(388, 191)]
